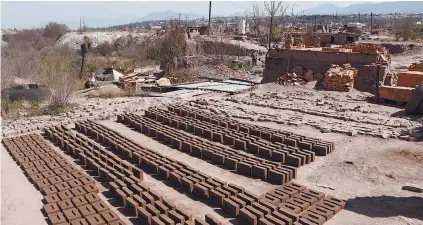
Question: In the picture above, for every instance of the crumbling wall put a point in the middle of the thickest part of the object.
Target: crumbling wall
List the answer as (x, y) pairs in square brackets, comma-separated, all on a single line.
[(280, 61)]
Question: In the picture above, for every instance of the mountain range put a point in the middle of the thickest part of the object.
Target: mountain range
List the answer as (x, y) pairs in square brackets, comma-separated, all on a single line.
[(367, 8), (326, 8)]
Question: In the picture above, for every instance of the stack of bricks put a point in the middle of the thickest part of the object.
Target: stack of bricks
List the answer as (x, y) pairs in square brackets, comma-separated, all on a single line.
[(416, 66), (367, 49), (328, 49), (340, 78), (291, 204), (70, 196)]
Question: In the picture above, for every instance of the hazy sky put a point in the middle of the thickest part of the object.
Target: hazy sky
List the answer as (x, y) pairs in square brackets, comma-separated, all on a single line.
[(37, 14)]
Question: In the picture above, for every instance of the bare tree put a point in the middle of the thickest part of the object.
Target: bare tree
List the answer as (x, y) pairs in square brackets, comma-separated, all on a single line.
[(264, 20)]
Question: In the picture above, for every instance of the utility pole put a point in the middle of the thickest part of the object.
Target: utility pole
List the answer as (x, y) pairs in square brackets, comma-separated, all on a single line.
[(209, 16), (315, 23), (186, 20), (359, 17), (179, 19), (80, 24), (83, 24), (371, 23), (272, 6)]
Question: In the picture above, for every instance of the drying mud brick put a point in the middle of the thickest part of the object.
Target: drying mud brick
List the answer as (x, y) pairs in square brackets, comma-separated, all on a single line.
[(231, 207), (247, 218), (95, 219), (56, 218)]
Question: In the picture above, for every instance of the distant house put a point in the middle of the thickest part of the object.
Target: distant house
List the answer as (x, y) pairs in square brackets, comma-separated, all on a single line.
[(152, 27)]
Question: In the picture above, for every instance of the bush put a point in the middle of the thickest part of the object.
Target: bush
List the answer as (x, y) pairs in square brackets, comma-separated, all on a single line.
[(58, 71), (55, 30)]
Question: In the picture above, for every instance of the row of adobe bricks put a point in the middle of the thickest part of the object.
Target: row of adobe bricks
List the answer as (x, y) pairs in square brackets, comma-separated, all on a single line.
[(275, 151), (227, 196), (321, 148), (245, 164), (147, 205), (70, 197), (294, 205), (287, 204), (178, 173)]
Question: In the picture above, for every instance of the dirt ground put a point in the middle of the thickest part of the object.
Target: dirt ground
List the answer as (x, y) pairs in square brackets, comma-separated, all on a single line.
[(368, 171)]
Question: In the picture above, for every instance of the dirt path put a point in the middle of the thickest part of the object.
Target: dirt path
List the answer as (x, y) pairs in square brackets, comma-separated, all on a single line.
[(20, 201)]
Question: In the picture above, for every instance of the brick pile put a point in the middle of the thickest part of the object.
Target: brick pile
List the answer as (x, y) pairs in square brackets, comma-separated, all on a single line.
[(299, 76), (340, 78), (366, 48), (416, 66)]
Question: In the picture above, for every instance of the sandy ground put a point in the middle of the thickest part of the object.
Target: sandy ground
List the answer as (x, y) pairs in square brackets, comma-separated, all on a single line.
[(20, 201)]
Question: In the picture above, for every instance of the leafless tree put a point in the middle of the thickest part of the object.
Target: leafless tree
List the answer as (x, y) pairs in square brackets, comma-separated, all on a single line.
[(264, 19)]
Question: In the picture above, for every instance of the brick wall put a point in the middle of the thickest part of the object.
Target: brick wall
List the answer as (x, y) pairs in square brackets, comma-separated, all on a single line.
[(279, 61), (410, 78), (402, 94)]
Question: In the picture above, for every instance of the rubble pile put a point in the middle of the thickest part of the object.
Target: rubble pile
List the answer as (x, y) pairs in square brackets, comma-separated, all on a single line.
[(416, 66), (299, 76), (340, 78)]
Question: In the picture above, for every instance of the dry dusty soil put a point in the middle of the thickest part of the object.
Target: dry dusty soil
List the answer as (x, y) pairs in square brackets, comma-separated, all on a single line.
[(375, 154)]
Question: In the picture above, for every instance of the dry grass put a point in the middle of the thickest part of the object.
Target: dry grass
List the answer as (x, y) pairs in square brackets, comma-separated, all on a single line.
[(108, 91)]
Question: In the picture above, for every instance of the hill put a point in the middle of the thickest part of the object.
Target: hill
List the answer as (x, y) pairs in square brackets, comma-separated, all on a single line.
[(367, 8)]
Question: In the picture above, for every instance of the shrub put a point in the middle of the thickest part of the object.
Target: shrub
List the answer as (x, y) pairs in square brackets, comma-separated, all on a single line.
[(55, 31)]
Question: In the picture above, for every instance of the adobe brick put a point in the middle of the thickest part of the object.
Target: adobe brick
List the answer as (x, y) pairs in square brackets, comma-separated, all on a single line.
[(277, 177), (141, 202), (291, 206), (281, 217), (330, 206), (153, 210), (178, 218), (161, 207), (65, 204), (253, 148), (328, 214), (336, 201), (320, 150), (247, 218), (259, 171), (268, 205), (201, 190), (245, 198), (52, 198), (147, 197), (218, 158), (257, 213), (166, 220), (244, 167), (198, 221), (109, 216), (79, 201), (51, 208), (288, 213), (95, 219), (56, 218), (231, 207), (319, 195), (87, 209)]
